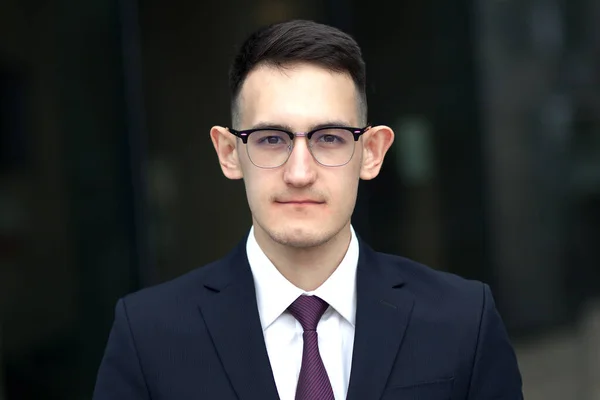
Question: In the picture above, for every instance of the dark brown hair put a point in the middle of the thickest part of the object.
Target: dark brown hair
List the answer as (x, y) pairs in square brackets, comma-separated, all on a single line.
[(299, 41)]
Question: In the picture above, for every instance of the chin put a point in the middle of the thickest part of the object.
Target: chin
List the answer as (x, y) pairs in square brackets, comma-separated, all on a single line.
[(302, 235), (298, 241)]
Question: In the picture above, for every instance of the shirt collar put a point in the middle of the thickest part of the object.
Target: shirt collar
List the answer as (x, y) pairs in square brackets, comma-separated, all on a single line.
[(274, 293)]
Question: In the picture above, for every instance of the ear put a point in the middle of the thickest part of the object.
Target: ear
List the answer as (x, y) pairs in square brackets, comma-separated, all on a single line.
[(225, 146), (376, 142)]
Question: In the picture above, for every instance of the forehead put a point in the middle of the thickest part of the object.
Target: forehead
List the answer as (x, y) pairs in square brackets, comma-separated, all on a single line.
[(300, 95)]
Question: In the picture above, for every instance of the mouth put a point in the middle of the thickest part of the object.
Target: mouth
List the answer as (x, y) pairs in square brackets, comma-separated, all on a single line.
[(300, 202)]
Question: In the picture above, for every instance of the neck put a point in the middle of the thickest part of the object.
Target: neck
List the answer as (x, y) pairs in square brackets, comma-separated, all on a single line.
[(305, 267)]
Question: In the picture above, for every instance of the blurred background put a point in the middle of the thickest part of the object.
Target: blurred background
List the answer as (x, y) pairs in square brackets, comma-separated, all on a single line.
[(109, 182)]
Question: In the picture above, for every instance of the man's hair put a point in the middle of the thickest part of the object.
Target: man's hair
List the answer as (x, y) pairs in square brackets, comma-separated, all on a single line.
[(299, 41)]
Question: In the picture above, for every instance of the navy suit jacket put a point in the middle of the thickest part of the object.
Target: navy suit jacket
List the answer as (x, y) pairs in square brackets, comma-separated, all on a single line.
[(420, 334)]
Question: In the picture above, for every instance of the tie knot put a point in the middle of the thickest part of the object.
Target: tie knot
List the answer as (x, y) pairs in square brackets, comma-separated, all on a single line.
[(308, 310)]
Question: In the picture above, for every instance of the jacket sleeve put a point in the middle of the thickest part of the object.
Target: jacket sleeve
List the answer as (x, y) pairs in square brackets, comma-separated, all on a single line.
[(495, 374), (120, 375)]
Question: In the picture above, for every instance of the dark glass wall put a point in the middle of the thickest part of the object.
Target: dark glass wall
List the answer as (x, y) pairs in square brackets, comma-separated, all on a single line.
[(67, 235)]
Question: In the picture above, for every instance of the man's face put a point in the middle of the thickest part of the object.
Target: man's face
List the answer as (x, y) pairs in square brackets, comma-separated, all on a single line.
[(301, 203)]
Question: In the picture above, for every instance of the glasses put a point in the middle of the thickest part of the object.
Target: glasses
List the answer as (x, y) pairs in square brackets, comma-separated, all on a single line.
[(331, 146)]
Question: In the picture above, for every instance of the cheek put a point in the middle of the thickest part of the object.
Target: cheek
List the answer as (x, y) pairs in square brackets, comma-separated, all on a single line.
[(252, 189), (257, 189), (343, 194)]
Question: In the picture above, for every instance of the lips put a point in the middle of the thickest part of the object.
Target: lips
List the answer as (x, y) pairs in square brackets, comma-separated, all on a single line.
[(299, 202)]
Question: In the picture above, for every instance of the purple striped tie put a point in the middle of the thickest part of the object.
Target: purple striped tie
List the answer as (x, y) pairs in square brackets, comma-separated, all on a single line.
[(313, 383)]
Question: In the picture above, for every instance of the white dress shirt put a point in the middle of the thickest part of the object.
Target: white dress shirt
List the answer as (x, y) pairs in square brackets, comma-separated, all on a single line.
[(283, 333)]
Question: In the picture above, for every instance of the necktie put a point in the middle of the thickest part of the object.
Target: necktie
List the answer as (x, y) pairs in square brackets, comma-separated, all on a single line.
[(313, 382)]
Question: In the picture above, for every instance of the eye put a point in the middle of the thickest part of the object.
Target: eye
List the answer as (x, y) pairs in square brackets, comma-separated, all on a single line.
[(332, 137), (270, 140), (329, 138)]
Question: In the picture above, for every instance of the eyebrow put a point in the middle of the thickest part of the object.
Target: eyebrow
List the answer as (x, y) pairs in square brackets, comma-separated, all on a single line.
[(284, 127)]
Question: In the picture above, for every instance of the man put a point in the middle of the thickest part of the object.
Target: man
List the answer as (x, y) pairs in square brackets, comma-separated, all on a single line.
[(303, 309)]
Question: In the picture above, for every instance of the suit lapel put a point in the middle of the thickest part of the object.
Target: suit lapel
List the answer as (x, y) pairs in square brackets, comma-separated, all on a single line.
[(382, 315), (231, 315)]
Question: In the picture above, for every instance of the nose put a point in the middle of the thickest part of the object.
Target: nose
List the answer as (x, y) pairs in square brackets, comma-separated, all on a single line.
[(300, 169)]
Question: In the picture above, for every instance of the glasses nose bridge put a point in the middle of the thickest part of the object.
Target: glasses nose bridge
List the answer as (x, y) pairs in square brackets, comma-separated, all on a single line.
[(299, 135), (293, 142)]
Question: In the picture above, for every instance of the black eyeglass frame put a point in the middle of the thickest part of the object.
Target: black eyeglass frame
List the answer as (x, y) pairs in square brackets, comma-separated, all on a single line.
[(245, 134)]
